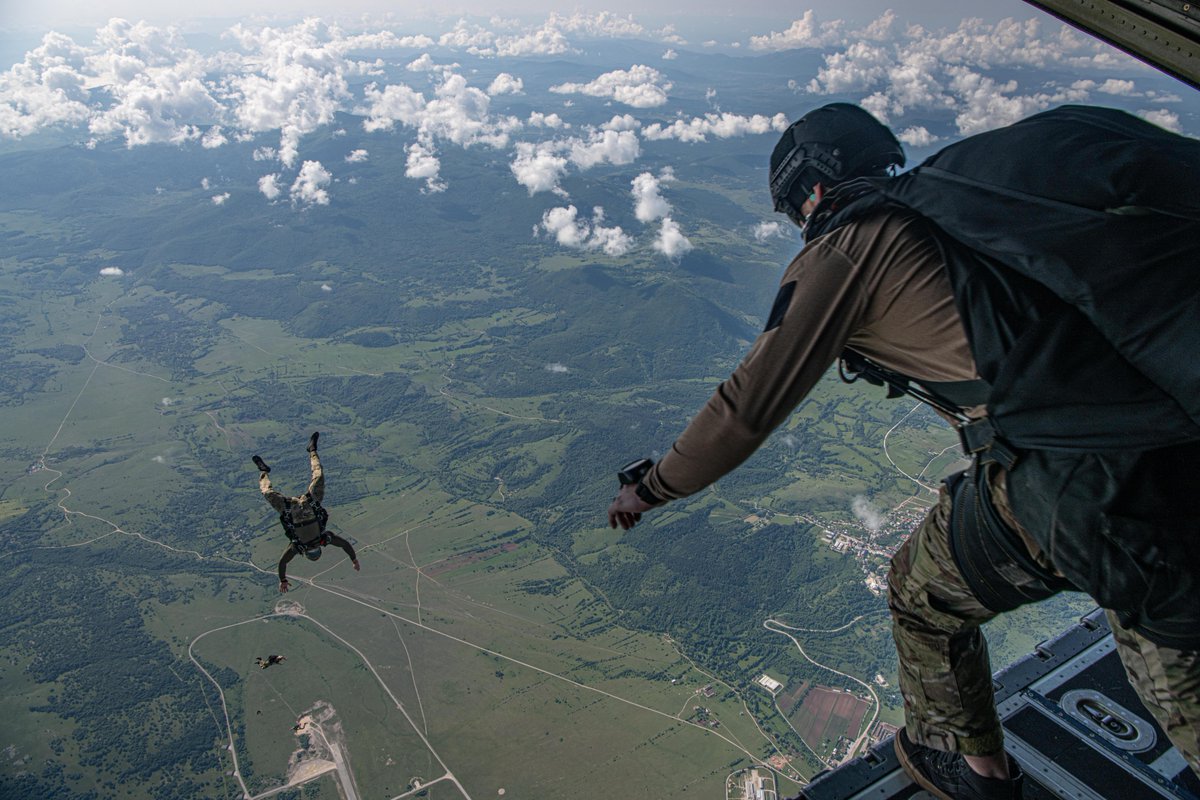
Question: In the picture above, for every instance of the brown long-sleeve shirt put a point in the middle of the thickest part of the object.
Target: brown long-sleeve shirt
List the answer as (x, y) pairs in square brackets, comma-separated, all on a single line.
[(877, 285)]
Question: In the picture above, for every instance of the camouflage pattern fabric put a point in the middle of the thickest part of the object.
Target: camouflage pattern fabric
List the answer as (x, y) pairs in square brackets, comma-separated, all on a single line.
[(945, 673), (316, 487), (1168, 682)]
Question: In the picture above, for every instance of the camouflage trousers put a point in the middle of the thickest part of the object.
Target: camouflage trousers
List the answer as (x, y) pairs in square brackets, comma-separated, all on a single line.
[(316, 485), (945, 673)]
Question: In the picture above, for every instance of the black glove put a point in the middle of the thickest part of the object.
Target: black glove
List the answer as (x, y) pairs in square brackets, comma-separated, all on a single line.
[(312, 442), (262, 465)]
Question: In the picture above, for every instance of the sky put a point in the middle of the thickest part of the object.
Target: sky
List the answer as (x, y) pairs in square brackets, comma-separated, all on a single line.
[(24, 14)]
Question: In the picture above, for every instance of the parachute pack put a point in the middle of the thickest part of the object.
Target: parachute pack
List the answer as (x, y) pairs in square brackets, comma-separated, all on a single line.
[(1072, 241), (289, 527)]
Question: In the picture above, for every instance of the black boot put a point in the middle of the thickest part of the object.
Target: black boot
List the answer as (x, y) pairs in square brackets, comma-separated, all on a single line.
[(262, 465), (947, 775), (312, 442)]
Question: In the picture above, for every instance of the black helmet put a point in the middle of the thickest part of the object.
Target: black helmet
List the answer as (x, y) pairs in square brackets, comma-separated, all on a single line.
[(312, 553), (828, 145)]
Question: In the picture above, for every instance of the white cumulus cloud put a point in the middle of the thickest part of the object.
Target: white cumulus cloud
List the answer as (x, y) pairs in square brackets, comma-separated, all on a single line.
[(356, 156), (45, 90), (916, 136), (639, 86), (157, 88), (671, 242), (720, 125), (457, 112), (768, 230), (505, 84), (213, 138), (548, 39), (1117, 86), (269, 186), (896, 73), (145, 85), (538, 167), (309, 187), (570, 231), (423, 164), (219, 199), (537, 119), (604, 147), (114, 272), (649, 204), (600, 24), (423, 63), (804, 32), (1162, 118), (670, 35), (294, 81)]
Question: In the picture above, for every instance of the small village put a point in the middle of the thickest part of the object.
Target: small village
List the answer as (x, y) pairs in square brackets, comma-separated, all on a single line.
[(872, 547), (871, 542)]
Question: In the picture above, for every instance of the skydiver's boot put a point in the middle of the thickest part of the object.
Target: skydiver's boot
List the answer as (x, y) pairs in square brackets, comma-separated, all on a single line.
[(312, 442), (947, 775), (262, 465)]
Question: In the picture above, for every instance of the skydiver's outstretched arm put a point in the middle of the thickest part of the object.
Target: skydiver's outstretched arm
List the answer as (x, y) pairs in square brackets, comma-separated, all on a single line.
[(288, 555), (345, 545)]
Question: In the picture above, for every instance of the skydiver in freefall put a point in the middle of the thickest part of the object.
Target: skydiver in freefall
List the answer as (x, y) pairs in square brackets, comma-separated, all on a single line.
[(303, 518)]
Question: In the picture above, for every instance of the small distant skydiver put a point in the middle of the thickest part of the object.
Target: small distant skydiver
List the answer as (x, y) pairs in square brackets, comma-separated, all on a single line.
[(269, 661), (303, 518)]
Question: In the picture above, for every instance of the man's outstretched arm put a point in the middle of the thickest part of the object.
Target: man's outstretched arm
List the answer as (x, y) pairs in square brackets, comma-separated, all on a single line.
[(287, 556), (345, 545), (818, 306)]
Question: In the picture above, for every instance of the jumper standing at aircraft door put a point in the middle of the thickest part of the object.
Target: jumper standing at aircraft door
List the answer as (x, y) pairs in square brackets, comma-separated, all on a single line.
[(1037, 286)]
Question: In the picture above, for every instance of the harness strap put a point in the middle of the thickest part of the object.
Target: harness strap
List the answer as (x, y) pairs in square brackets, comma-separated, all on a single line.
[(302, 547), (988, 553), (853, 365), (978, 437), (964, 394)]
